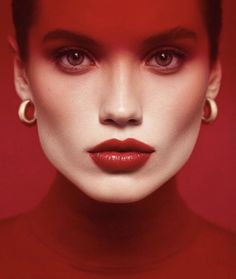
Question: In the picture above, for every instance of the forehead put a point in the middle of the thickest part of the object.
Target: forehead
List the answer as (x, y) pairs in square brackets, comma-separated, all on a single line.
[(117, 20)]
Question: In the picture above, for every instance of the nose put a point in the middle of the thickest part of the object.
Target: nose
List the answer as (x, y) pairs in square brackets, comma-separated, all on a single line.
[(121, 105)]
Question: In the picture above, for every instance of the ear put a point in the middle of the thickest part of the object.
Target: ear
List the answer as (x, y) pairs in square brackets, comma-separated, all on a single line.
[(21, 81), (214, 82)]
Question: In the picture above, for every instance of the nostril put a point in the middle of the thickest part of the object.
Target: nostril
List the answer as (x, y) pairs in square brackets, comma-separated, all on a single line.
[(122, 122), (108, 121), (134, 121)]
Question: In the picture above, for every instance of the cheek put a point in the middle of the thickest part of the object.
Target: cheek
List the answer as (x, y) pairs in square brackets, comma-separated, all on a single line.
[(175, 113), (189, 94), (176, 101), (66, 112), (62, 100)]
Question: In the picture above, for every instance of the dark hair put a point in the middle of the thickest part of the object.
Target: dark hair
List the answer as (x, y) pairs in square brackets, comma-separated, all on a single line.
[(24, 16), (212, 13)]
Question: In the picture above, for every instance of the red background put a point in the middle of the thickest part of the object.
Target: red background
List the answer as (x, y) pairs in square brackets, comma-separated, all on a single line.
[(208, 181)]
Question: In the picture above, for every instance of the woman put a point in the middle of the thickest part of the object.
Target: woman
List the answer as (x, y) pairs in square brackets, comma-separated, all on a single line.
[(119, 92)]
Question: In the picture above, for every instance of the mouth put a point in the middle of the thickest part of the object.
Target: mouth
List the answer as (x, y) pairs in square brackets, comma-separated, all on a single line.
[(115, 156)]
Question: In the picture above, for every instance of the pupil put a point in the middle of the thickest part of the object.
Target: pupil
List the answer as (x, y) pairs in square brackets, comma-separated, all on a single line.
[(164, 59), (75, 58), (163, 56)]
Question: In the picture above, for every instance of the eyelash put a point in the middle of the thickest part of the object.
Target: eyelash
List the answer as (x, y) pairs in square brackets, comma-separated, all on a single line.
[(66, 53), (176, 59), (174, 54)]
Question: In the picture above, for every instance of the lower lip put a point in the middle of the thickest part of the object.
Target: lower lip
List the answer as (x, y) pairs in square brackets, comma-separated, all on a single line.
[(120, 161)]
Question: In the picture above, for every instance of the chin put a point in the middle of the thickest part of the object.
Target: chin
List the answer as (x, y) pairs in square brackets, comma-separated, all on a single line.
[(117, 189), (115, 198)]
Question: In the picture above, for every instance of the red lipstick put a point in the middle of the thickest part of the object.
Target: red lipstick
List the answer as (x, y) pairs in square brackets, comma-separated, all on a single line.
[(121, 156)]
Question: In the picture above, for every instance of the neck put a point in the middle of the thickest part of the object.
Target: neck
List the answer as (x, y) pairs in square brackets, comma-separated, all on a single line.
[(95, 234)]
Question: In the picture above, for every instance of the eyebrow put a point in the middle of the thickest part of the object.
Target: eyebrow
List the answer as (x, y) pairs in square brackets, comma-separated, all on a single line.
[(173, 34), (78, 38), (170, 35)]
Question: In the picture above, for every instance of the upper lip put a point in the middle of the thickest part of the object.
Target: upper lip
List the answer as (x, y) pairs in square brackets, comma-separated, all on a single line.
[(122, 146)]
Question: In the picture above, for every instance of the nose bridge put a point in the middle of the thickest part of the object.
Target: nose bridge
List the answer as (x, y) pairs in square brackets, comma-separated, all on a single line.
[(121, 104)]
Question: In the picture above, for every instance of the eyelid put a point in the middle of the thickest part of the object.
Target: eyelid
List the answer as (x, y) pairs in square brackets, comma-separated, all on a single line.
[(178, 53), (176, 50), (56, 54)]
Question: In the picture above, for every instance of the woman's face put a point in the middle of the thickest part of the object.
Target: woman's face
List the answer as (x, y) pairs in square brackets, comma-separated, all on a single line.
[(101, 70)]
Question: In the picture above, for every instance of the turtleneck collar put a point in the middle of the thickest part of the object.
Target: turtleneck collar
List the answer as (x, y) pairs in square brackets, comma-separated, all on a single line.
[(98, 236)]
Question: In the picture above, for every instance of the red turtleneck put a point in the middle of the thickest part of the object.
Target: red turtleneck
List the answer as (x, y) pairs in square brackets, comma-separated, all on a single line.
[(71, 236)]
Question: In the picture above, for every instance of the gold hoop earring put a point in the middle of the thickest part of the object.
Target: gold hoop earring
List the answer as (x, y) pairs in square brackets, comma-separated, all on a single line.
[(213, 111), (22, 112)]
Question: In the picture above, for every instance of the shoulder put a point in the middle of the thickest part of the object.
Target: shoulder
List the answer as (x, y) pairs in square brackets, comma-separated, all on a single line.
[(7, 227), (215, 233), (15, 237), (20, 250), (215, 247), (9, 233), (8, 241), (211, 254)]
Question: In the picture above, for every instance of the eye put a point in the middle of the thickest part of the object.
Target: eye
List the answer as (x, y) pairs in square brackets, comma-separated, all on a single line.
[(166, 60), (73, 60)]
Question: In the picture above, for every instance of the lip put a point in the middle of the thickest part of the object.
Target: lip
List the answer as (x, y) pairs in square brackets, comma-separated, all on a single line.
[(121, 156)]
